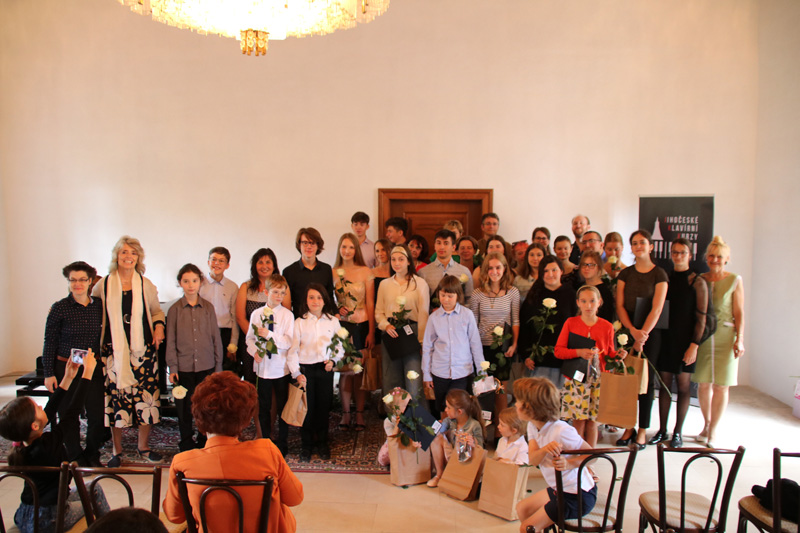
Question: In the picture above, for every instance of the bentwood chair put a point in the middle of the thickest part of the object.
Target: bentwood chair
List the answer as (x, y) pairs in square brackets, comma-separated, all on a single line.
[(751, 510), (688, 512), (227, 486), (608, 512), (25, 473), (118, 474)]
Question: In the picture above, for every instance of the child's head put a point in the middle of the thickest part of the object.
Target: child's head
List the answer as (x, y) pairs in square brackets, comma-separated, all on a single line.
[(219, 259), (459, 404), (17, 419), (509, 423), (589, 300), (189, 278), (276, 286), (456, 227), (349, 250), (537, 399), (450, 292), (316, 300)]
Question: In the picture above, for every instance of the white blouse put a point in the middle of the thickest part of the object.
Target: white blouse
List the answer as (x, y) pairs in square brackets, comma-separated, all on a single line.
[(311, 339)]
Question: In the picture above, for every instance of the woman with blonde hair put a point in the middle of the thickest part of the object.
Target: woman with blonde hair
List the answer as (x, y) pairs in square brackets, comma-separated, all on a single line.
[(133, 329), (495, 303), (354, 287), (718, 357)]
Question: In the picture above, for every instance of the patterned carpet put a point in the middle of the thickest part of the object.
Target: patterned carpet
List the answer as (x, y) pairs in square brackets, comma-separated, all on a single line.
[(352, 452)]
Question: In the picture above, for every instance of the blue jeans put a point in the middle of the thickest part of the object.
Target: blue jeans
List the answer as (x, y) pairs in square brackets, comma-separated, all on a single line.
[(25, 517)]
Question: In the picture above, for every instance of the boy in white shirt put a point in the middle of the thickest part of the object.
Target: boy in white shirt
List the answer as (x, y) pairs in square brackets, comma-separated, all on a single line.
[(222, 292), (539, 404), (512, 446), (272, 370)]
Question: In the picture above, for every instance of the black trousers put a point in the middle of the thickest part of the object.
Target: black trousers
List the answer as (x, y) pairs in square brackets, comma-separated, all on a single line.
[(190, 380), (228, 364), (96, 432), (281, 388), (651, 349), (441, 386), (245, 360), (319, 394)]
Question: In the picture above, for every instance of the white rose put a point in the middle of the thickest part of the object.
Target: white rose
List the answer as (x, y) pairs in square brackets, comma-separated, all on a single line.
[(267, 312), (463, 278), (357, 368), (622, 339), (232, 348), (617, 325), (340, 272), (549, 303), (412, 375), (498, 330), (388, 399), (612, 260), (485, 365), (179, 392), (342, 333), (401, 300)]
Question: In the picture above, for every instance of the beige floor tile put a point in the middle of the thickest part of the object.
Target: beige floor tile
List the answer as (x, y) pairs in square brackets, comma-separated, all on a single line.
[(334, 488), (323, 516), (398, 518)]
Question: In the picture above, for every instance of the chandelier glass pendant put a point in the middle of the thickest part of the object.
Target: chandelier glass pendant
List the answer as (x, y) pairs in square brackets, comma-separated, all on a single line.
[(255, 22)]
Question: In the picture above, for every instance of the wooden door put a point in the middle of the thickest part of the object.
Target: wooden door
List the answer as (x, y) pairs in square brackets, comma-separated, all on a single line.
[(428, 209)]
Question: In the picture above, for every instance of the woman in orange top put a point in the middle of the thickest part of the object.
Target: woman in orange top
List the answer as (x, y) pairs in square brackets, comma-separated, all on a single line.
[(222, 406)]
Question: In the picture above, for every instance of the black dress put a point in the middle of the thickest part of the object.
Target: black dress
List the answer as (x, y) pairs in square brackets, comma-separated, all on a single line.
[(688, 297), (532, 306)]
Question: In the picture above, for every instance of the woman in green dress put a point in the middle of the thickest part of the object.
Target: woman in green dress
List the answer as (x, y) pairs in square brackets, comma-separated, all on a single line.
[(718, 357)]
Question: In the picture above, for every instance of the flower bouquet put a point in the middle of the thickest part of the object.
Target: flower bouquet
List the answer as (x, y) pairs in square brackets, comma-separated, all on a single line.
[(265, 347), (342, 294)]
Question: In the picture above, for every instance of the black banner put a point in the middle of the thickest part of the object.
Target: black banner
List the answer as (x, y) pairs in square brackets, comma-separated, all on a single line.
[(670, 217)]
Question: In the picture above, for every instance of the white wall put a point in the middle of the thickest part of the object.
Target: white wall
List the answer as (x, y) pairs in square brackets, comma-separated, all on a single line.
[(114, 124), (773, 289)]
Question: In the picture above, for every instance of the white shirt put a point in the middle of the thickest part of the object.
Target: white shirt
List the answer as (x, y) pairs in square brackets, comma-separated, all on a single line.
[(515, 452), (282, 331), (558, 430), (310, 342), (223, 295)]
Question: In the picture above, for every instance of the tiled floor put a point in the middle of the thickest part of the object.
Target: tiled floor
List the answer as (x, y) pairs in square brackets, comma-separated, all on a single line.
[(346, 502)]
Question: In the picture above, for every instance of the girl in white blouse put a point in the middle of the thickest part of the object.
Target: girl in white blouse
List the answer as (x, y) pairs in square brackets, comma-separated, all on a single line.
[(311, 363)]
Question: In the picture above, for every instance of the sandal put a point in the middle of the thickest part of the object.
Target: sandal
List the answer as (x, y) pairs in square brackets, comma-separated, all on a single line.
[(115, 461), (360, 427), (349, 423), (150, 455)]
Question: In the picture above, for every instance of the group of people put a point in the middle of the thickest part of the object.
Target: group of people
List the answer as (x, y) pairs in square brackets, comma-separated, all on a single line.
[(473, 307)]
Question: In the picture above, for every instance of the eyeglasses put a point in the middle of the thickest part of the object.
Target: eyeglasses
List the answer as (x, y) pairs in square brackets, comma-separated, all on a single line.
[(680, 253), (540, 239), (307, 243), (587, 241), (589, 265), (79, 280), (218, 261)]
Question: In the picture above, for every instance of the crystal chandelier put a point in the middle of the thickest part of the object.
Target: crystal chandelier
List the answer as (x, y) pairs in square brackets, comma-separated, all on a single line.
[(255, 22)]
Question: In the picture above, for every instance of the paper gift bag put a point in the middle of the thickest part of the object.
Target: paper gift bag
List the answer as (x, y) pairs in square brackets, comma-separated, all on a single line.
[(461, 480), (294, 413), (639, 364), (371, 378), (503, 487), (618, 399), (408, 465)]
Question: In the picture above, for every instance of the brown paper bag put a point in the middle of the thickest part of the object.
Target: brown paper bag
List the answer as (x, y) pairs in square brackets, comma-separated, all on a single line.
[(503, 487), (371, 380), (294, 413), (639, 365), (408, 464), (618, 399), (460, 480)]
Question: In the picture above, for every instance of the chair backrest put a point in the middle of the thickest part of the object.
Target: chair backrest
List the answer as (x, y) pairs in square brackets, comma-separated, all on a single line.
[(24, 473), (228, 486), (89, 503), (697, 454), (592, 455), (777, 513)]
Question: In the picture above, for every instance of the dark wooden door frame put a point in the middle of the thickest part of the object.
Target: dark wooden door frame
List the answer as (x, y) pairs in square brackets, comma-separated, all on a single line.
[(385, 197)]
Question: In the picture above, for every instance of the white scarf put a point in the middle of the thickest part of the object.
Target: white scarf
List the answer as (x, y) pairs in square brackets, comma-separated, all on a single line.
[(122, 352)]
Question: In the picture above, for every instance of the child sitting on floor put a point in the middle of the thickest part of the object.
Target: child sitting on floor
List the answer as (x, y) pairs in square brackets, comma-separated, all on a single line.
[(512, 447), (463, 415), (539, 403)]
